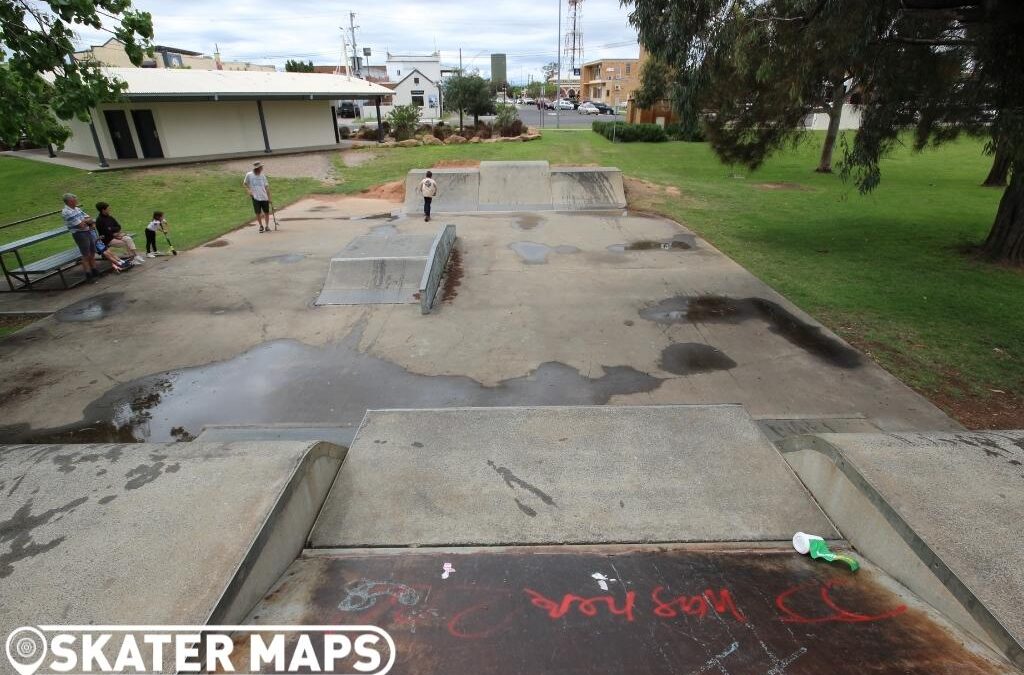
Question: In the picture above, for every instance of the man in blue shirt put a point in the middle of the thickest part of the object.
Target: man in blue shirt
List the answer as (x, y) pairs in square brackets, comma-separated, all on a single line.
[(80, 225)]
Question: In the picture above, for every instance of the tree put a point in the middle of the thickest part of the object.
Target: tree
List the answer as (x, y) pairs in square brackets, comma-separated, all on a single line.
[(298, 66), (550, 70), (535, 90), (403, 120), (470, 94), (41, 80), (939, 67)]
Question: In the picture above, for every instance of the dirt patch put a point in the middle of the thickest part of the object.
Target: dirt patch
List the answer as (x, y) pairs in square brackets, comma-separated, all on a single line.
[(457, 164), (452, 276), (22, 384), (392, 192), (217, 243), (316, 165), (782, 186), (642, 194)]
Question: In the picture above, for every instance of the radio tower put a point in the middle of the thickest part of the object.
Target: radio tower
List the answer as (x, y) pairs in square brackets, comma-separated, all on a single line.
[(574, 36)]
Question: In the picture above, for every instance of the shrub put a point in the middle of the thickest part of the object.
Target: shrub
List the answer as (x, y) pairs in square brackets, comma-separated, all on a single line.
[(507, 121), (344, 132), (441, 131), (630, 133), (404, 120)]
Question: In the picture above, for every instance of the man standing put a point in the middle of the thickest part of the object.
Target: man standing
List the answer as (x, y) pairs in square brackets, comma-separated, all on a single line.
[(79, 224), (428, 188), (256, 185)]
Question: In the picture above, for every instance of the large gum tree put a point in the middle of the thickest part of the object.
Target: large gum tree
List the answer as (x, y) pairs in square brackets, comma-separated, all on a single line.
[(41, 81), (935, 68)]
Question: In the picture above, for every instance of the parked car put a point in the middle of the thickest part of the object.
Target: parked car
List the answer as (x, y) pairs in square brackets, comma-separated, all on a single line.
[(564, 104), (588, 108), (528, 101), (348, 109), (603, 108), (547, 104)]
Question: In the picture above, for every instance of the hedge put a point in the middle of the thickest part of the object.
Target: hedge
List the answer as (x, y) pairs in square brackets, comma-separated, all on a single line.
[(629, 133)]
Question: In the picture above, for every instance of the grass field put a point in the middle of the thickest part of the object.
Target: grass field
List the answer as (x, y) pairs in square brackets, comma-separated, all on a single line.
[(886, 271), (199, 203)]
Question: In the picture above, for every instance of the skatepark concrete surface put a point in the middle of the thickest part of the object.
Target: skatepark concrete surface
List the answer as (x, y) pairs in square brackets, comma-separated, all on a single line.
[(944, 503), (701, 473), (152, 533), (598, 444)]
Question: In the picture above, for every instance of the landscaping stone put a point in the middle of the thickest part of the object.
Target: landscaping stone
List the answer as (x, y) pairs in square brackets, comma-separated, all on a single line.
[(475, 139), (411, 143), (431, 140), (454, 140)]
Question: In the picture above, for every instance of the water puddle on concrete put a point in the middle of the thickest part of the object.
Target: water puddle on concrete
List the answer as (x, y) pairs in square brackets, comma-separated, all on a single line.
[(286, 381), (680, 242), (719, 309), (384, 231), (688, 358), (281, 259), (533, 253), (217, 243), (92, 309)]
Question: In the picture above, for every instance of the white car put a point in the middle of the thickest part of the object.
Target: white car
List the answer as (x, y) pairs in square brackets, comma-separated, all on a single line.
[(588, 108), (564, 104), (529, 101)]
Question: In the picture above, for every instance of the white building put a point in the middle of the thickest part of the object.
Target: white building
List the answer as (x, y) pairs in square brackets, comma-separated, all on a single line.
[(415, 80), (201, 113)]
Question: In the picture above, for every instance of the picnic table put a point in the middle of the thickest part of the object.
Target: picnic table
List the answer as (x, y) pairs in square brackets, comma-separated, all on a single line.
[(45, 268)]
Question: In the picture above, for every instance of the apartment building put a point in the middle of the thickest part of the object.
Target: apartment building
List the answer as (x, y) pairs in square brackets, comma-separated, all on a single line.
[(610, 81)]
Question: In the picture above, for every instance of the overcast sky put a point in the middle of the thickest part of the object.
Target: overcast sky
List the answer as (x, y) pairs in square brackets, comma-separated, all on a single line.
[(265, 32)]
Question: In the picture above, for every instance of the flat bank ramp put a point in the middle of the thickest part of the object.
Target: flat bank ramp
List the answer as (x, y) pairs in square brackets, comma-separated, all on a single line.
[(940, 511), (377, 270), (518, 186)]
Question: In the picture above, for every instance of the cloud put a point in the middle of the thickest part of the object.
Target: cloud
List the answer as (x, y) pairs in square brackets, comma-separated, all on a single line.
[(304, 29)]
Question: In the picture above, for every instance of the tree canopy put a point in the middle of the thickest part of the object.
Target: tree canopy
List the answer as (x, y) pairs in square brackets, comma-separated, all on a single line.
[(753, 69), (38, 38), (470, 94), (299, 66)]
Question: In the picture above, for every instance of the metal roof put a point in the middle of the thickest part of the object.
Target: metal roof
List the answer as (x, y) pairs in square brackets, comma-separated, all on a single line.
[(172, 84)]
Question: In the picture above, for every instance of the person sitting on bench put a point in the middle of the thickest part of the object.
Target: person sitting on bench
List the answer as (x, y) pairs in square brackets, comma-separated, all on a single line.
[(111, 235)]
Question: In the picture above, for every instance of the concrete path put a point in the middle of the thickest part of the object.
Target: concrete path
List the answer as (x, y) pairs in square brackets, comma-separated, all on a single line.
[(552, 309)]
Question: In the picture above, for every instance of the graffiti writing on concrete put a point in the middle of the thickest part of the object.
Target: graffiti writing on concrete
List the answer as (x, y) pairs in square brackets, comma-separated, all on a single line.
[(364, 594), (834, 613)]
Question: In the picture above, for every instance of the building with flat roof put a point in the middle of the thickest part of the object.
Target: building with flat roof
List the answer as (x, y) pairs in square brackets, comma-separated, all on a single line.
[(173, 113), (111, 53), (610, 81), (499, 70)]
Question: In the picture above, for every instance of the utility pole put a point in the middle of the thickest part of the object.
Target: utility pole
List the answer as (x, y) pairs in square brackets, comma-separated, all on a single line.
[(558, 76), (355, 57), (344, 53), (460, 75)]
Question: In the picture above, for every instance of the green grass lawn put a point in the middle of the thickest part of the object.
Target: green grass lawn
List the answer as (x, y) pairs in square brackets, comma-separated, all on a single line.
[(884, 270), (199, 203)]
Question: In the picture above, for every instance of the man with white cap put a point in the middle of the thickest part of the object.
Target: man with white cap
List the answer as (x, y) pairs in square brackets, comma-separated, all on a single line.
[(256, 185)]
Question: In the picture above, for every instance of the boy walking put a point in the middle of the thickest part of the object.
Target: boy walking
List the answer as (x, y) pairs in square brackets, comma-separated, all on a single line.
[(428, 188), (258, 187)]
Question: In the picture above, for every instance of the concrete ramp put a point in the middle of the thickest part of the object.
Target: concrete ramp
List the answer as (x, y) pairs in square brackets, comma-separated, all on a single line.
[(519, 186), (500, 476), (375, 270), (176, 533), (941, 512)]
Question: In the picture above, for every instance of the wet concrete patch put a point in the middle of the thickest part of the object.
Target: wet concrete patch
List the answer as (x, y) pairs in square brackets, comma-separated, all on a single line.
[(281, 259), (528, 221), (386, 230), (533, 253), (92, 309), (689, 358), (286, 381), (680, 242), (719, 309), (217, 243)]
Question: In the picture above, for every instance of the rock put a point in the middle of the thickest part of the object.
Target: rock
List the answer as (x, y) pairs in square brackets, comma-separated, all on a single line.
[(411, 143), (492, 140), (454, 140), (531, 137), (387, 144), (475, 139), (431, 140)]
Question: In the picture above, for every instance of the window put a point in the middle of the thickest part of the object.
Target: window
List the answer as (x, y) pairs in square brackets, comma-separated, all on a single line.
[(399, 73), (628, 68), (415, 80), (417, 97)]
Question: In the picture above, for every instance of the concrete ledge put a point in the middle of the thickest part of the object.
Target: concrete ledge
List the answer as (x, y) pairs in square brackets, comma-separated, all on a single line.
[(940, 512), (176, 533)]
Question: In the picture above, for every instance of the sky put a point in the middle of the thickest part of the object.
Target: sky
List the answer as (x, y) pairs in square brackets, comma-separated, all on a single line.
[(264, 32)]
